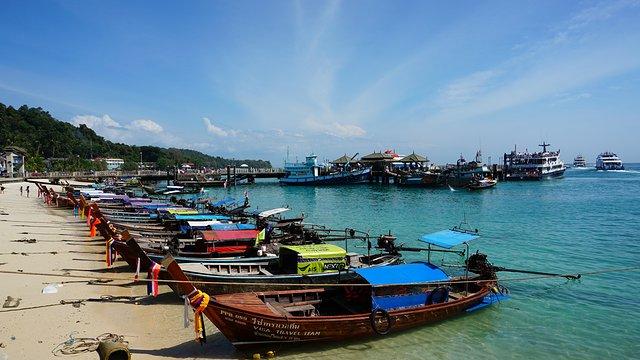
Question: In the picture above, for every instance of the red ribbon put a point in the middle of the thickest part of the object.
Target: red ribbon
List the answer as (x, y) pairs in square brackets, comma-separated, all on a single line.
[(154, 273)]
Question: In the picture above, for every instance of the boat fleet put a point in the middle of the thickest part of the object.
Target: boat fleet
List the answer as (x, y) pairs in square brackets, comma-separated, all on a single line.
[(264, 279), (414, 171)]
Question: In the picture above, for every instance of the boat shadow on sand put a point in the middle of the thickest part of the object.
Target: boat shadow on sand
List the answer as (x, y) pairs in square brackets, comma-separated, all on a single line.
[(216, 347)]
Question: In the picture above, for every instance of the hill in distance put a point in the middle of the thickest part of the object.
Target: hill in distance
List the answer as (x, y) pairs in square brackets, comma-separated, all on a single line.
[(44, 137)]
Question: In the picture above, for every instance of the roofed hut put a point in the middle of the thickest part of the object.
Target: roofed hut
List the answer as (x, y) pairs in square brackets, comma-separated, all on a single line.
[(414, 160)]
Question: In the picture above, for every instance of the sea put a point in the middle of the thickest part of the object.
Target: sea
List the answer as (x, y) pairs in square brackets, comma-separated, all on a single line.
[(584, 223)]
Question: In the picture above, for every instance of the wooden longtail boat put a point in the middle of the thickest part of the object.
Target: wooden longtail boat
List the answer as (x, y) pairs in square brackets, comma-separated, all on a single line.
[(380, 301), (266, 272)]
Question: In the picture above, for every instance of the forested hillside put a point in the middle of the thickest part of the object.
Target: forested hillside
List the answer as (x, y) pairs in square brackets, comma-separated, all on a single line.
[(45, 137)]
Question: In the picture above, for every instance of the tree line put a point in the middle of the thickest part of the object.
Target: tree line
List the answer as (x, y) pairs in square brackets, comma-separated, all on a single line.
[(60, 146)]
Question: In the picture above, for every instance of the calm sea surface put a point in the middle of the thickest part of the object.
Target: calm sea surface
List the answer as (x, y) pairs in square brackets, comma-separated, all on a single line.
[(587, 221)]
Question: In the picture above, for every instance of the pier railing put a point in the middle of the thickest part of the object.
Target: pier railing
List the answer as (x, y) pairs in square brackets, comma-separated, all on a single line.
[(149, 173)]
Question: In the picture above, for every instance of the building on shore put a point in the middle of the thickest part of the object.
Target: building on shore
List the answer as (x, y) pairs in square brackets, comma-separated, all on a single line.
[(114, 163), (12, 161)]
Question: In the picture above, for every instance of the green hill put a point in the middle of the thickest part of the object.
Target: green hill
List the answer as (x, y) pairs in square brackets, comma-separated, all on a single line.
[(47, 138)]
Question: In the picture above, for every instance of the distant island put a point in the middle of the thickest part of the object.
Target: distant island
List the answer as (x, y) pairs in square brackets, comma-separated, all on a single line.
[(55, 145)]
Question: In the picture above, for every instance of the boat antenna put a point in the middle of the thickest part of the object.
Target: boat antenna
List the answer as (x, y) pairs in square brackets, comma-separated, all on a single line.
[(544, 146)]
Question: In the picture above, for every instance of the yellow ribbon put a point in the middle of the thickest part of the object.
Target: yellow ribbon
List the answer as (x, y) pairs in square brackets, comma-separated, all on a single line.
[(204, 301)]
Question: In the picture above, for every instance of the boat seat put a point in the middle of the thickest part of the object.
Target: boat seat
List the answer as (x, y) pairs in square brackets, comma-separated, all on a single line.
[(287, 309)]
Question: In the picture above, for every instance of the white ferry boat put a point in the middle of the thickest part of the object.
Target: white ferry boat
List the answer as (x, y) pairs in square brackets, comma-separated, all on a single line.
[(579, 162), (609, 161), (312, 173), (533, 166)]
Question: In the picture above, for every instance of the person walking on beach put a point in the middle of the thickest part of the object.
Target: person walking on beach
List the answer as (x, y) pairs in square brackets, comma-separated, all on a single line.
[(27, 190), (20, 190), (1, 189)]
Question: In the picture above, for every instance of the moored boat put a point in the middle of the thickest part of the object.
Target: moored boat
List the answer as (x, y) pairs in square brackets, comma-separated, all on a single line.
[(481, 184), (377, 301), (533, 166), (312, 173)]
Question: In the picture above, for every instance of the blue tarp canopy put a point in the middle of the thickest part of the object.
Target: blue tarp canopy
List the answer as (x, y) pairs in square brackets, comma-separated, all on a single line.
[(417, 272), (224, 202), (448, 238)]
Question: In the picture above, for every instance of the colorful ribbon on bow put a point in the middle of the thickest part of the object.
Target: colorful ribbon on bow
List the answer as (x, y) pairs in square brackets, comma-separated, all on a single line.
[(199, 301), (89, 217), (153, 274), (92, 229), (109, 254)]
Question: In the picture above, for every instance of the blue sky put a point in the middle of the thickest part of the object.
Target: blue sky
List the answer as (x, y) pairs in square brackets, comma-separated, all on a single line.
[(248, 79)]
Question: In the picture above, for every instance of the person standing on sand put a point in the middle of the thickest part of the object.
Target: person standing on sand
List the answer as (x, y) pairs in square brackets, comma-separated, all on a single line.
[(1, 189), (20, 190), (27, 190)]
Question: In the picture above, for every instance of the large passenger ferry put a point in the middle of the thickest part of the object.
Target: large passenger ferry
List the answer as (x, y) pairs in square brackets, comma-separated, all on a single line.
[(609, 161), (310, 172), (533, 166), (579, 162)]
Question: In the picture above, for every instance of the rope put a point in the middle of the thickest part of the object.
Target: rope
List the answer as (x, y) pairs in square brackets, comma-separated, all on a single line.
[(201, 282), (75, 346), (79, 302), (30, 253)]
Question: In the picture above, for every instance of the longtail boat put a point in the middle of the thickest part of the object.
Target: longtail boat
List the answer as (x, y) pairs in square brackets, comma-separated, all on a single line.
[(380, 300)]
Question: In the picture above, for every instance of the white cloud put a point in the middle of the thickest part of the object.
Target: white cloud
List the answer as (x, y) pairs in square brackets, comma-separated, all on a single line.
[(94, 122), (146, 125), (337, 129), (217, 131), (466, 88), (140, 131)]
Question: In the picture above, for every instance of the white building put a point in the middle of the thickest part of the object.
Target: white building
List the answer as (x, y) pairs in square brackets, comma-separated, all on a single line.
[(113, 163), (12, 161)]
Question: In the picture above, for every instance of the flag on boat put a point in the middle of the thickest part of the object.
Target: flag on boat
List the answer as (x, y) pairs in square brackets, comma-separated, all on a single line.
[(260, 237)]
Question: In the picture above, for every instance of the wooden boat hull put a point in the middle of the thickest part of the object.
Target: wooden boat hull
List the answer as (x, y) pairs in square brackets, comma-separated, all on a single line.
[(245, 328)]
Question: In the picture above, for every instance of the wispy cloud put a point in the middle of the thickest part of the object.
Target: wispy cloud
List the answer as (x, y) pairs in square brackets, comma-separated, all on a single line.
[(464, 89), (558, 64), (215, 130), (336, 129)]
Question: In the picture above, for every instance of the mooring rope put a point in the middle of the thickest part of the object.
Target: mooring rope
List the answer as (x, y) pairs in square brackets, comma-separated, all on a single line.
[(205, 282), (75, 346)]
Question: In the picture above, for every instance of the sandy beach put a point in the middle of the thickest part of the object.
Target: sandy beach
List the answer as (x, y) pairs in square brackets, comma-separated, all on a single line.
[(153, 326)]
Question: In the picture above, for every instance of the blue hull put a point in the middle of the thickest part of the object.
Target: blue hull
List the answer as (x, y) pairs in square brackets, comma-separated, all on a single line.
[(354, 177)]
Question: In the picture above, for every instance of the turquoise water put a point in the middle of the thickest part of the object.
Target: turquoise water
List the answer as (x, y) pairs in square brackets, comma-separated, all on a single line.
[(586, 221)]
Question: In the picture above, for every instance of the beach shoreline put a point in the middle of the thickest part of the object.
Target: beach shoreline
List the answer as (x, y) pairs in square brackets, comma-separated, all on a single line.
[(62, 244)]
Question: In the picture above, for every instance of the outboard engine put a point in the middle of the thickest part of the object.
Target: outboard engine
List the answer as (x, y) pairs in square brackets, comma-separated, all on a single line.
[(478, 264), (388, 243)]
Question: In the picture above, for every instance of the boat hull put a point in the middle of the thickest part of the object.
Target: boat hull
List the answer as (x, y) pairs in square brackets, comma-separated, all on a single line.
[(247, 329), (535, 177), (353, 177), (606, 167)]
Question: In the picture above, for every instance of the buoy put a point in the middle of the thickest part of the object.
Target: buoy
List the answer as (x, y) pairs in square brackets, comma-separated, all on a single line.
[(113, 350)]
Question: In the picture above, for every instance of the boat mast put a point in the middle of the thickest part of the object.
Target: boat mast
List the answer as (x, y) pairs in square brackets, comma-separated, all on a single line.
[(544, 146)]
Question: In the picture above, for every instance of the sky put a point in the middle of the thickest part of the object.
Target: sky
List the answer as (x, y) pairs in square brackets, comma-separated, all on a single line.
[(258, 79)]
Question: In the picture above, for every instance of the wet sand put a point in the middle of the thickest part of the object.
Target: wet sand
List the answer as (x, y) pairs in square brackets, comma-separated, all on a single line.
[(154, 327)]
